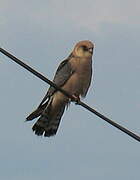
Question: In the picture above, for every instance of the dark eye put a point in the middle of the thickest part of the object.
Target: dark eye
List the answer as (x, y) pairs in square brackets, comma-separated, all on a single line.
[(85, 48)]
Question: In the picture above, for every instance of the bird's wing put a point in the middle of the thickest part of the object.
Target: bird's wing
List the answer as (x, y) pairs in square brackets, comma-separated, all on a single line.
[(63, 73)]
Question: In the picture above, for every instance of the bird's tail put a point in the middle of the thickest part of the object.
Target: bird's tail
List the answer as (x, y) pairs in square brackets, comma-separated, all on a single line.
[(49, 120)]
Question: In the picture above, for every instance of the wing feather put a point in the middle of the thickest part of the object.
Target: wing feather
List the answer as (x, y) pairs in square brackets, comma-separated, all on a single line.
[(63, 73)]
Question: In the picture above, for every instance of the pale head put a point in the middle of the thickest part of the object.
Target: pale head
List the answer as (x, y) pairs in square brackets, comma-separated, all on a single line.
[(83, 49)]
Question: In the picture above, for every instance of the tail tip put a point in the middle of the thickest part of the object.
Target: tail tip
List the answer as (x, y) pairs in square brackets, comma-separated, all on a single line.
[(40, 131)]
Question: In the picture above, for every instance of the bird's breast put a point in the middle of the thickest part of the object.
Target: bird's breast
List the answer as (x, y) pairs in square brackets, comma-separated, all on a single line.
[(79, 82)]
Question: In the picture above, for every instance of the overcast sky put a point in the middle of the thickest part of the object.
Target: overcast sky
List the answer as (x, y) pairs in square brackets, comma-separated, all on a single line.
[(43, 33)]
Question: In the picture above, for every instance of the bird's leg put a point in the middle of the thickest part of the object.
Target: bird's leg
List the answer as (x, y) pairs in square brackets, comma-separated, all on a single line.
[(76, 99)]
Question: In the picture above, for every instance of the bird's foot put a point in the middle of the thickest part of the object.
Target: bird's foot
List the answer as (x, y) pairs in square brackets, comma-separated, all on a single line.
[(76, 99)]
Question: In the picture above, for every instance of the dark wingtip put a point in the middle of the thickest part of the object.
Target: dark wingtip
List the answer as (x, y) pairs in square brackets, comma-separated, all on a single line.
[(31, 116), (36, 113), (28, 118)]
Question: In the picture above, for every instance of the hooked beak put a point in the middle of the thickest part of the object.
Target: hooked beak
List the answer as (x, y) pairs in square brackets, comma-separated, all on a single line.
[(90, 50)]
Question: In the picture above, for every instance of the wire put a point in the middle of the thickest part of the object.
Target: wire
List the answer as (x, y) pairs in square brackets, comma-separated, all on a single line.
[(123, 129)]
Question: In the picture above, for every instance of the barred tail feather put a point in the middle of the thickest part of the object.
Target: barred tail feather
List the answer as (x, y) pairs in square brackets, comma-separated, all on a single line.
[(49, 121)]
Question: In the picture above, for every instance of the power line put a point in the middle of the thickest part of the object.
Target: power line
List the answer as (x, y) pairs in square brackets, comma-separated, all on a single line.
[(21, 63)]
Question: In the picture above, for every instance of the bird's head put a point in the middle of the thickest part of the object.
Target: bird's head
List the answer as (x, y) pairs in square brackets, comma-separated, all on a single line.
[(83, 49)]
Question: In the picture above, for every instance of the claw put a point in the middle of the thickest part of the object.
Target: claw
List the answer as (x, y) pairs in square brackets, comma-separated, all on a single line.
[(76, 99)]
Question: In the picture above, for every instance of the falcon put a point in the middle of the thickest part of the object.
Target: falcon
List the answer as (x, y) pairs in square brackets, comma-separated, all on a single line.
[(74, 76)]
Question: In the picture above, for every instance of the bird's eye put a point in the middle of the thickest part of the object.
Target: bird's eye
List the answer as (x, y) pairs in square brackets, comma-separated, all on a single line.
[(85, 48)]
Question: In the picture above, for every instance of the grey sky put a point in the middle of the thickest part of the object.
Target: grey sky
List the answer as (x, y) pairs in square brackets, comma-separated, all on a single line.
[(43, 33)]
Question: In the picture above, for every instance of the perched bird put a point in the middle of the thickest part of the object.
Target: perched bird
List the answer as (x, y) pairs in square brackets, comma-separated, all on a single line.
[(74, 76)]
